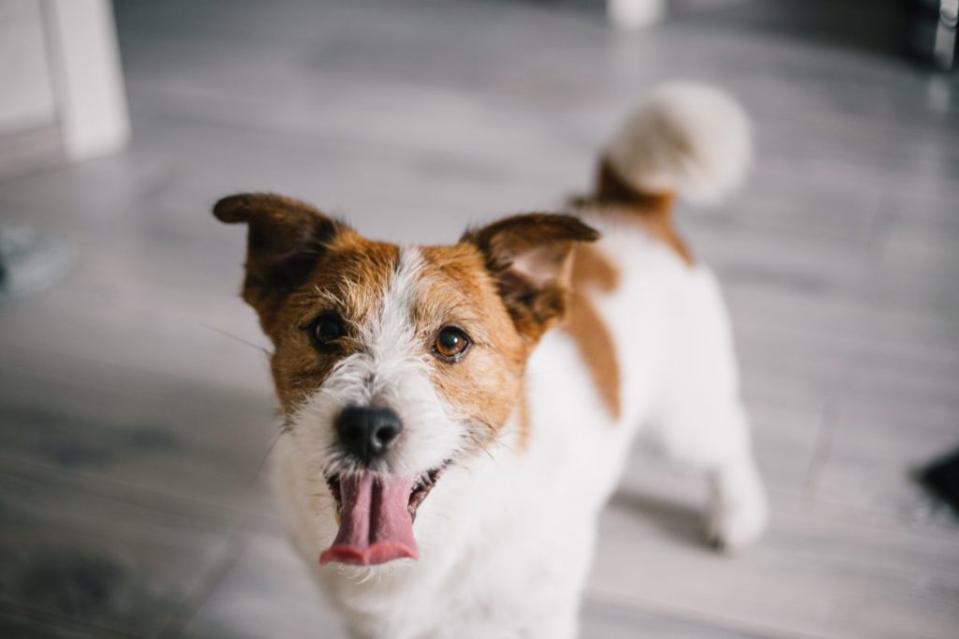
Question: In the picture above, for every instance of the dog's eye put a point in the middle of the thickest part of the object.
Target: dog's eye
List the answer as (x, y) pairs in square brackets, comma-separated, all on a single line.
[(325, 330), (451, 344)]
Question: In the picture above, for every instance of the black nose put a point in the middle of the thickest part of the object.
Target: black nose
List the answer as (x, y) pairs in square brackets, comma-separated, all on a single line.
[(367, 432)]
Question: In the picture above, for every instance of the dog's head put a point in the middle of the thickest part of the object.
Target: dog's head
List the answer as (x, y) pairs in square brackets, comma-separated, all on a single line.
[(392, 363)]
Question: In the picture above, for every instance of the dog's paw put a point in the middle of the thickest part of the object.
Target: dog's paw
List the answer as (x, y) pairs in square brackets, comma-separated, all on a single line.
[(731, 526)]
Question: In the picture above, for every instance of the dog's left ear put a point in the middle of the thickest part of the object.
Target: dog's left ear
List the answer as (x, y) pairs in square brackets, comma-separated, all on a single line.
[(529, 257)]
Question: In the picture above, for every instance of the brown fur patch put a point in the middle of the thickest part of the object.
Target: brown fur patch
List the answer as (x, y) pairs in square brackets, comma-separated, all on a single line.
[(486, 384), (654, 211), (593, 272), (284, 240), (528, 255), (349, 279), (524, 270), (524, 420), (504, 285)]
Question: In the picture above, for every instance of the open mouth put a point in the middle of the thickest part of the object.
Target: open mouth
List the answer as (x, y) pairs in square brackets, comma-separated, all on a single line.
[(375, 514), (421, 488)]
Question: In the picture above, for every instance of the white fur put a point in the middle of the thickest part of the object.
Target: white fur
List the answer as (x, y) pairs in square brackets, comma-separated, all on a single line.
[(506, 537), (389, 370), (686, 138)]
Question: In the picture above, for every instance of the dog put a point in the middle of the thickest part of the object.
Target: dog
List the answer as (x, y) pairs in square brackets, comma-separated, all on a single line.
[(455, 417)]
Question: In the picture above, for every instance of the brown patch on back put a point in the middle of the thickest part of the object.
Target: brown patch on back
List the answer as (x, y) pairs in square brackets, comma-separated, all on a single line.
[(593, 272), (653, 210)]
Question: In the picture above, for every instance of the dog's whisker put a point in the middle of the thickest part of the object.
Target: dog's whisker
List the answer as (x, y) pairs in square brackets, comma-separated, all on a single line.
[(270, 447), (238, 339)]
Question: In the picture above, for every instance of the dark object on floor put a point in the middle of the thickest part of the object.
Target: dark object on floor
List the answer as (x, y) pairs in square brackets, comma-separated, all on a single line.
[(931, 32), (941, 479)]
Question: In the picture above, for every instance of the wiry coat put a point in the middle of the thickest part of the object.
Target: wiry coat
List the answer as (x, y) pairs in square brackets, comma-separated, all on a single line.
[(576, 344)]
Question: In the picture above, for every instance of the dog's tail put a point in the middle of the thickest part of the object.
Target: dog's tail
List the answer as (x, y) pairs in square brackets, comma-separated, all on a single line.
[(687, 140)]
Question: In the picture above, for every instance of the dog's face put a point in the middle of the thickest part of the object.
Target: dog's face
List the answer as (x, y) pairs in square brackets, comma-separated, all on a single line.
[(393, 363)]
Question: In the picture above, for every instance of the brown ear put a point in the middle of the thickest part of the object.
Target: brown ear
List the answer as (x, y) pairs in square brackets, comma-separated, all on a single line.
[(286, 238), (529, 256)]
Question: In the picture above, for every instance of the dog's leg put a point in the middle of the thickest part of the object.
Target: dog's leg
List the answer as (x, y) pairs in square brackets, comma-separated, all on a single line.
[(703, 422), (737, 512), (714, 437)]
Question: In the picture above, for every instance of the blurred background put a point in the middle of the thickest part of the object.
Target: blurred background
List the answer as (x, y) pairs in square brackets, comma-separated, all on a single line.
[(135, 405)]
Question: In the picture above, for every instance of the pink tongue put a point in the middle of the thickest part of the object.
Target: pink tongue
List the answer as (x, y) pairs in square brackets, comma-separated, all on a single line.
[(376, 526)]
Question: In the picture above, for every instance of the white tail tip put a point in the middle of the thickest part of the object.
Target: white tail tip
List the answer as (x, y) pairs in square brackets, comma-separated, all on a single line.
[(690, 139)]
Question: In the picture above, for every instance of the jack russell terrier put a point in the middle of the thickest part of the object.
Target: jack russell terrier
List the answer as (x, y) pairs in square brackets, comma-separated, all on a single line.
[(455, 417)]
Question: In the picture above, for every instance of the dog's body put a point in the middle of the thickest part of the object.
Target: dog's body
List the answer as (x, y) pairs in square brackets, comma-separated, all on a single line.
[(626, 333)]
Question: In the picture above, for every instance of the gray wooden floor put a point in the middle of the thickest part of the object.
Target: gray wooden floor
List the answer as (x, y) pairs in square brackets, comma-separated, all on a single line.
[(134, 428)]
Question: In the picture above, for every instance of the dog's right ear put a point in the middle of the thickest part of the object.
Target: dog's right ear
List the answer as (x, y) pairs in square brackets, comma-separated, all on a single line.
[(285, 240)]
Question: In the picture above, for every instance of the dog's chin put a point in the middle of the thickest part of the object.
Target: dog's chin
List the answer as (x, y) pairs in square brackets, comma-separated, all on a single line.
[(375, 514)]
